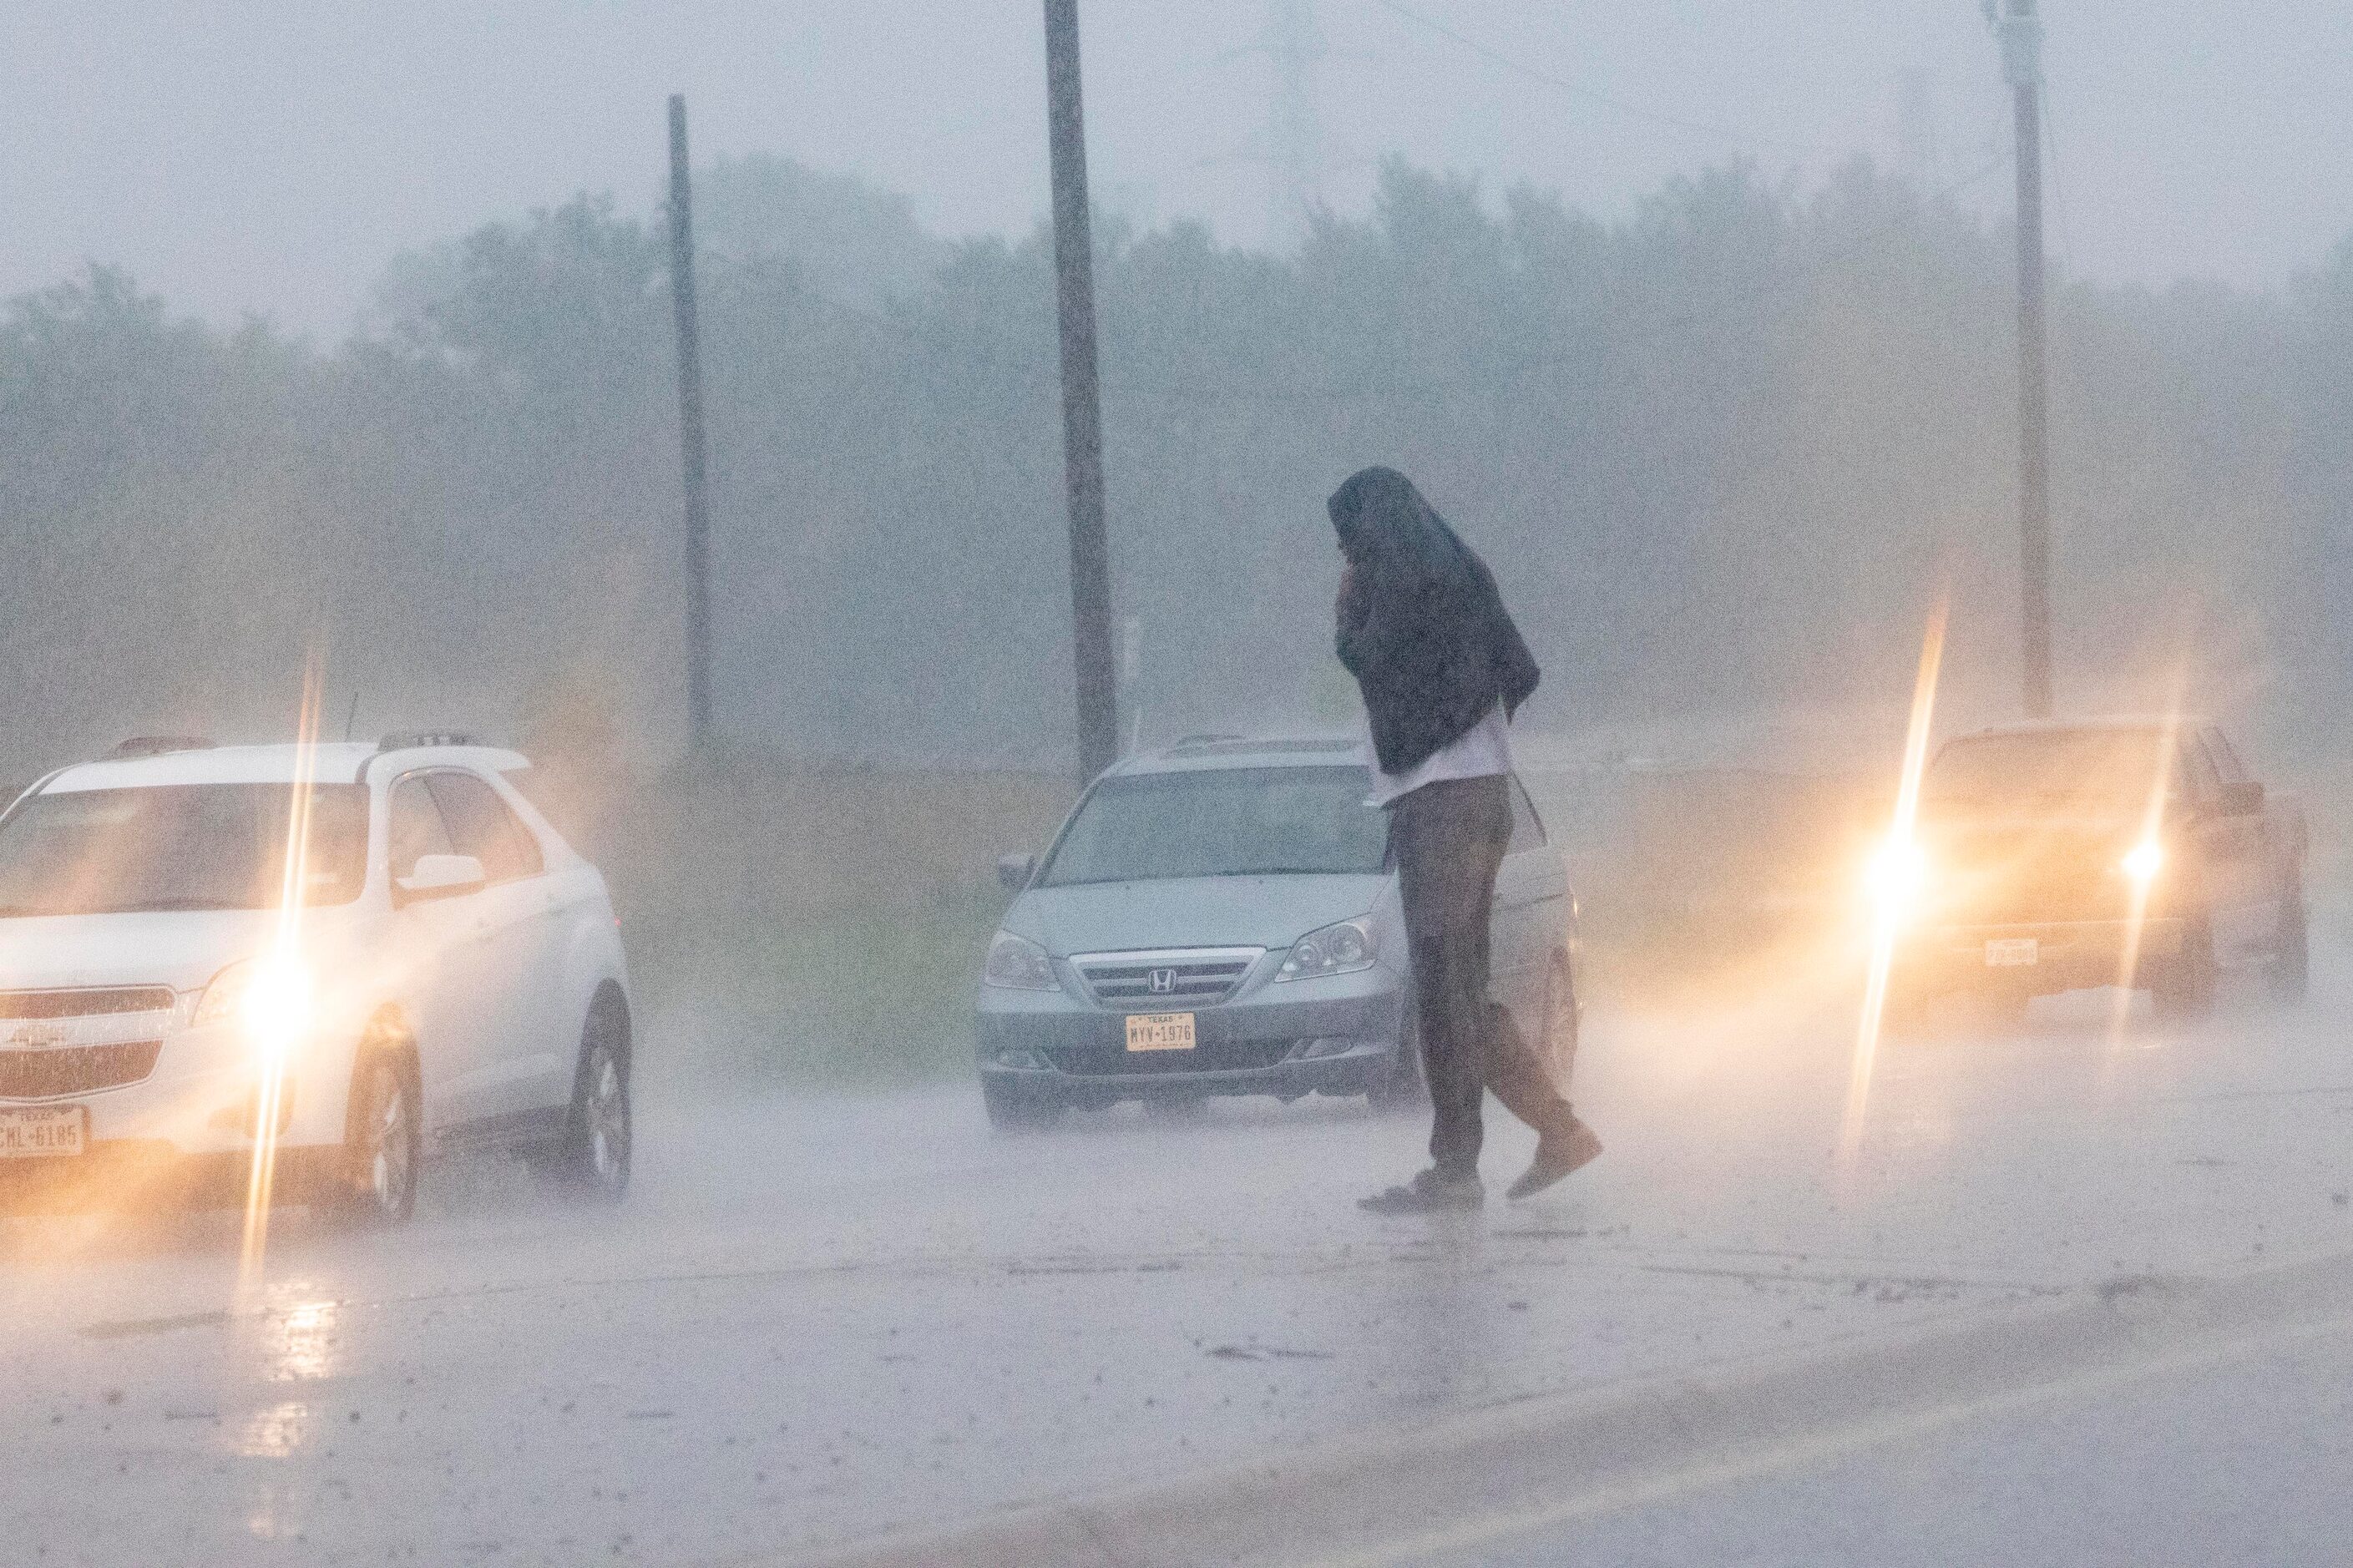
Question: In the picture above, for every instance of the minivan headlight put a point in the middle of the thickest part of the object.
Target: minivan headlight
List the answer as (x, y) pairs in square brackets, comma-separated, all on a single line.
[(1340, 949), (1016, 964)]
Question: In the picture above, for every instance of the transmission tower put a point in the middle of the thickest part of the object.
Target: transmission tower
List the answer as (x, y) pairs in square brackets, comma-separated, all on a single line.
[(1292, 43)]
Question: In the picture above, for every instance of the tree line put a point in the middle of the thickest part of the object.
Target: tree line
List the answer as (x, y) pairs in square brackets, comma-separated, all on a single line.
[(1722, 451)]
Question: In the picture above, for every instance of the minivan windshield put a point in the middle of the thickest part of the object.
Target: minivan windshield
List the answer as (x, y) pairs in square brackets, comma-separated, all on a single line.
[(176, 846), (1224, 822), (2103, 768)]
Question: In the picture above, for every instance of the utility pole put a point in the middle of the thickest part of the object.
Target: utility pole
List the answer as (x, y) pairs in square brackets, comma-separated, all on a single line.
[(689, 431), (1074, 278), (2019, 24)]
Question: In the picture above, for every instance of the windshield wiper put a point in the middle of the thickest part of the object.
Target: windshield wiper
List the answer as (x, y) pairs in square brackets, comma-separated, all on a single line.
[(163, 906)]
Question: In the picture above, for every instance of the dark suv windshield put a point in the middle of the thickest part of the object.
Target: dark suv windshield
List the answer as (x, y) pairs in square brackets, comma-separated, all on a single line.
[(2116, 768), (1227, 822), (176, 846)]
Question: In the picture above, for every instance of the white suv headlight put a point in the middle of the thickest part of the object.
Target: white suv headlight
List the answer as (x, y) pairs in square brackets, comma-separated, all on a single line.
[(272, 999), (1016, 964), (1340, 949)]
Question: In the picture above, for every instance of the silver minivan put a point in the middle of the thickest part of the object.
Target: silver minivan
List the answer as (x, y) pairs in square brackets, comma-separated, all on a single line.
[(1222, 917)]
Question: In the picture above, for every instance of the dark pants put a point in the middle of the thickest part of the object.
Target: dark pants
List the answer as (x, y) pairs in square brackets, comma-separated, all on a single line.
[(1449, 839)]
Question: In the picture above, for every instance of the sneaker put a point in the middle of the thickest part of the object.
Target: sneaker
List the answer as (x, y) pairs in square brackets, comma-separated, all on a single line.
[(1428, 1193), (1556, 1157)]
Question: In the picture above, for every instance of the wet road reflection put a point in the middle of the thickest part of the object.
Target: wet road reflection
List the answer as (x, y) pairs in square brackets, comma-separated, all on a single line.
[(817, 1317)]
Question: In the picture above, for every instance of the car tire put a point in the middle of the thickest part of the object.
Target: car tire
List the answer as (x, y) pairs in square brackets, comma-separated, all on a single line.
[(1015, 1110), (594, 1160), (383, 1141), (2289, 973), (2182, 988)]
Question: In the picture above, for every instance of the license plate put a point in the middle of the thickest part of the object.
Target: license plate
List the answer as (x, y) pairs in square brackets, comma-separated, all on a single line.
[(38, 1131), (1160, 1032), (2012, 952)]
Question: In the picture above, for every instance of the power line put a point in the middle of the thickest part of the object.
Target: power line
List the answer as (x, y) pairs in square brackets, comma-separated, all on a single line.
[(1592, 95)]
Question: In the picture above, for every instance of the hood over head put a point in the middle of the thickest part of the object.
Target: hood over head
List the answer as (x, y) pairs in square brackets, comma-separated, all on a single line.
[(1421, 624), (1387, 530)]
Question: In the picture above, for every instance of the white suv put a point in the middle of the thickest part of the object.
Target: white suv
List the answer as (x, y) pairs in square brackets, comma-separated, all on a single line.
[(452, 975)]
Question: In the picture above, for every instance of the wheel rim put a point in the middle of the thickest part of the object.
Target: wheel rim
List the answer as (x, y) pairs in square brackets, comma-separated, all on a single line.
[(392, 1160), (608, 1118)]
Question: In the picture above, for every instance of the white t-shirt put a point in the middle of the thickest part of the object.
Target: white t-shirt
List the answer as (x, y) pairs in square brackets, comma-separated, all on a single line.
[(1479, 752)]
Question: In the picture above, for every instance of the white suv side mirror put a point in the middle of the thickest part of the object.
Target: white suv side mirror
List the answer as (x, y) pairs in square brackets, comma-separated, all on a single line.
[(440, 877)]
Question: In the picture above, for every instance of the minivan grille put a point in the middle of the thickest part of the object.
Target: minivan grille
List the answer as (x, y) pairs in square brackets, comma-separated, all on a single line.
[(1156, 982), (74, 1069), (1210, 1055)]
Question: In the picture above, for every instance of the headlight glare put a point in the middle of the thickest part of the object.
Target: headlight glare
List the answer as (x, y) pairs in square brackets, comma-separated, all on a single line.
[(272, 999), (2144, 862), (1339, 948), (1016, 964), (1898, 875)]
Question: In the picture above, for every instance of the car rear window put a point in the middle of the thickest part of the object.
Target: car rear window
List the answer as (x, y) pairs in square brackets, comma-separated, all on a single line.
[(1223, 822), (178, 847)]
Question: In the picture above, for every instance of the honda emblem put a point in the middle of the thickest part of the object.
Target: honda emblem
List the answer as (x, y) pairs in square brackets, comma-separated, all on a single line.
[(1163, 981)]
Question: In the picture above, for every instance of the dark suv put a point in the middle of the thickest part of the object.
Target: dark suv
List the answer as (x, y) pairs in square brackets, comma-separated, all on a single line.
[(2051, 856)]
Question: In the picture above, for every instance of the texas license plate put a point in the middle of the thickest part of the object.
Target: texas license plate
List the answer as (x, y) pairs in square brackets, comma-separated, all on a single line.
[(2012, 952), (36, 1131), (1160, 1032)]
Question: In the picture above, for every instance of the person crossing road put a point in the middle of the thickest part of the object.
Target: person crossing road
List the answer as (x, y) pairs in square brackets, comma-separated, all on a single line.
[(1442, 670)]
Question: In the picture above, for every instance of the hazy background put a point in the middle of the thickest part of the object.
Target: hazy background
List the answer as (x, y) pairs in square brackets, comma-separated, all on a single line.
[(270, 156)]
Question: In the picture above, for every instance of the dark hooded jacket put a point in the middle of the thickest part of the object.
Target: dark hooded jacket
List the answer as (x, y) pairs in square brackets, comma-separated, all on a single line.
[(1423, 628)]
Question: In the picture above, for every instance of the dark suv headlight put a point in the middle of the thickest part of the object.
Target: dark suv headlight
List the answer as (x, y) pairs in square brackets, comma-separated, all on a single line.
[(1340, 949), (1016, 964)]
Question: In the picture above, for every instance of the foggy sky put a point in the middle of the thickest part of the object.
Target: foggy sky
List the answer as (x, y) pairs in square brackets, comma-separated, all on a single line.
[(269, 156)]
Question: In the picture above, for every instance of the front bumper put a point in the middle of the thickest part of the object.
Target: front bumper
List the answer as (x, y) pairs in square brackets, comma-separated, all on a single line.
[(186, 1131), (1336, 1035), (2068, 956)]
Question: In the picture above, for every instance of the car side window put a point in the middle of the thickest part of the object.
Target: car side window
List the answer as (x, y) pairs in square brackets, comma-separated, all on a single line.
[(413, 826), (481, 826), (2226, 761), (1528, 828)]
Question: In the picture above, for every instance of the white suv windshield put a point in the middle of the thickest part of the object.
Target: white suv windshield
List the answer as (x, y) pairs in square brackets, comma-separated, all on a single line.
[(176, 846), (1227, 822)]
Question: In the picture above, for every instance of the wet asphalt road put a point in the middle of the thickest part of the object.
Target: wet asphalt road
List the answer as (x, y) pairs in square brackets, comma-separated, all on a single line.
[(2240, 1462), (818, 1319)]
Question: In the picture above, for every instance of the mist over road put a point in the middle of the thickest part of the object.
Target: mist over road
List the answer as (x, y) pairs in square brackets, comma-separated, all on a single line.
[(819, 1318)]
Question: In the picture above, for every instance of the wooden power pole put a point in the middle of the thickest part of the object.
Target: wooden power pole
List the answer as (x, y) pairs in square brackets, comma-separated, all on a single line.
[(1082, 470), (2019, 26), (690, 430)]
